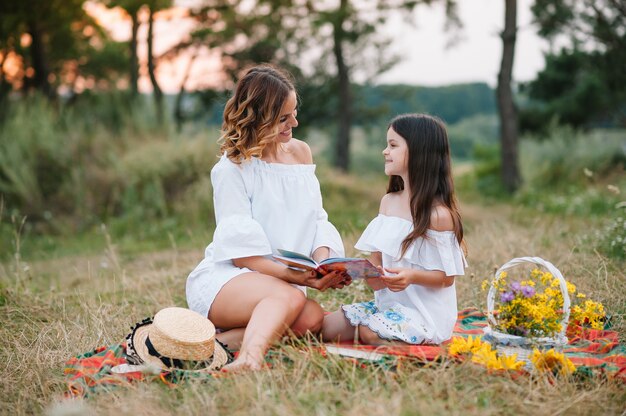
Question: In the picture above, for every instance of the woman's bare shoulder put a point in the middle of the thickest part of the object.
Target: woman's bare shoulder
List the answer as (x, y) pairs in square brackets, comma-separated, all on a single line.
[(301, 151)]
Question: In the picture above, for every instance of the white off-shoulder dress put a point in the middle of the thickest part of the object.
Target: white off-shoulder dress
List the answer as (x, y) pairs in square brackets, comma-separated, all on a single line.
[(259, 207), (417, 314)]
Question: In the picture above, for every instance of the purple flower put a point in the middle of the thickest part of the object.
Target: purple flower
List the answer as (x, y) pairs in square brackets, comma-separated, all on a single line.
[(516, 287), (528, 291), (507, 297)]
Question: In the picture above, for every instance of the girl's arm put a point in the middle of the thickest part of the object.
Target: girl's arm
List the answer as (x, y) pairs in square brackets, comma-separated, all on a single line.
[(282, 272), (405, 276)]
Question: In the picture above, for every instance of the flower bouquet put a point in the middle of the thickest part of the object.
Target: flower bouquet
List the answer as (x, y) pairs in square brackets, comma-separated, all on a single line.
[(532, 313)]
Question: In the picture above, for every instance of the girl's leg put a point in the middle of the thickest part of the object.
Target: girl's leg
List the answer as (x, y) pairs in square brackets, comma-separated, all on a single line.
[(369, 337), (336, 327), (264, 305)]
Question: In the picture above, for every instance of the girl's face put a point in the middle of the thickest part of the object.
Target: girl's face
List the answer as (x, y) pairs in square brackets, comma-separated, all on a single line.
[(287, 119), (396, 154)]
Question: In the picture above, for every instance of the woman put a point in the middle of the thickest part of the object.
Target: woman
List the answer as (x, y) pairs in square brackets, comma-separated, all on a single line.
[(266, 197)]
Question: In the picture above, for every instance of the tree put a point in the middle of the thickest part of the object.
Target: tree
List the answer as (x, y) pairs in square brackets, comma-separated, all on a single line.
[(584, 82), (154, 6), (131, 7), (52, 43), (572, 90), (506, 106), (357, 44)]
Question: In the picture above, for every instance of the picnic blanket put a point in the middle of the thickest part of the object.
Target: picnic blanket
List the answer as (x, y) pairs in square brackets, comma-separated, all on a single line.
[(593, 352)]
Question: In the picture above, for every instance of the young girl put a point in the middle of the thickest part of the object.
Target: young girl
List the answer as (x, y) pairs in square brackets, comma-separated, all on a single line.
[(415, 240)]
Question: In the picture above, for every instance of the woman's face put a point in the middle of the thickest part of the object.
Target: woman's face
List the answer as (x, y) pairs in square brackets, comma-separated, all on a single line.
[(287, 119), (396, 154)]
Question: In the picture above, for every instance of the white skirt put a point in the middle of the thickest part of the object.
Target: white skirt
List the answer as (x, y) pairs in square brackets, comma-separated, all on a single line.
[(394, 323)]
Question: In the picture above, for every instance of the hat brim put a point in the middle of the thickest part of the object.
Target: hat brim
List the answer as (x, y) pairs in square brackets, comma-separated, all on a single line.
[(140, 354)]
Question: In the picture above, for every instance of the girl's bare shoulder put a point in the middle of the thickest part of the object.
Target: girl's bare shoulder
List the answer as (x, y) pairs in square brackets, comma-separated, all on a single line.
[(441, 219), (388, 202)]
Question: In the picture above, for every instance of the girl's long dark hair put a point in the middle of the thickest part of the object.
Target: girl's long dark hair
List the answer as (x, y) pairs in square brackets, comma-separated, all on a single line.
[(430, 175)]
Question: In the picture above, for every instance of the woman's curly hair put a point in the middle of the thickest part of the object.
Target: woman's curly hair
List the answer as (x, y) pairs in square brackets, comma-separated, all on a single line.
[(252, 114)]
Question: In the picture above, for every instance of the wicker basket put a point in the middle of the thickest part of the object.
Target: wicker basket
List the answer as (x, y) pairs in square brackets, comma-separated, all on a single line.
[(522, 346)]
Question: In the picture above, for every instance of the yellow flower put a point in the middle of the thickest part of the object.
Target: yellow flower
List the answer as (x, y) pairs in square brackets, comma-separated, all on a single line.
[(460, 345), (488, 358), (552, 361), (510, 362)]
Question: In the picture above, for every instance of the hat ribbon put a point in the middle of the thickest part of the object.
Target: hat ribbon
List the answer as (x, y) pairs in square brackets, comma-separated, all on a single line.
[(174, 362)]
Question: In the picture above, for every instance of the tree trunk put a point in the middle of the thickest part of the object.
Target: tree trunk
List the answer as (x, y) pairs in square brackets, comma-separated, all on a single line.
[(178, 110), (342, 158), (156, 90), (134, 62), (506, 105), (39, 59)]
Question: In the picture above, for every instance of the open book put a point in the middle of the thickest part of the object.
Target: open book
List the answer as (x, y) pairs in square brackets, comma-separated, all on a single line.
[(356, 268)]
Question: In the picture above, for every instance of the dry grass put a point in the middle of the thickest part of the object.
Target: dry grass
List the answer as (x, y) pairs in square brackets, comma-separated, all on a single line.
[(56, 309)]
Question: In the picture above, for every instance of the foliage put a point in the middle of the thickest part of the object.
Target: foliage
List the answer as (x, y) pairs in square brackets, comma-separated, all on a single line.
[(566, 154), (64, 44), (82, 167), (480, 130), (611, 239), (572, 90), (584, 83), (451, 103)]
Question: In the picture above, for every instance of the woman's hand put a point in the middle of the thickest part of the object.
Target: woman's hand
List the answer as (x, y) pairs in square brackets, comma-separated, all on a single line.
[(346, 281), (403, 277), (311, 278)]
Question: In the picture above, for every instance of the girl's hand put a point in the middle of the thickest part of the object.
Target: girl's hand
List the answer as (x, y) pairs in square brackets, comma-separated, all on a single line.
[(399, 282), (375, 283)]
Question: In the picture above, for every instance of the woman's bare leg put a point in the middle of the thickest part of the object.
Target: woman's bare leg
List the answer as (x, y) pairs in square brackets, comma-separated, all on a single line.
[(336, 327), (309, 320), (263, 304), (232, 338)]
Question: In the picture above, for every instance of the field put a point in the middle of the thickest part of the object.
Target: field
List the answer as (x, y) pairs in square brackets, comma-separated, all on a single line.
[(61, 305), (100, 226)]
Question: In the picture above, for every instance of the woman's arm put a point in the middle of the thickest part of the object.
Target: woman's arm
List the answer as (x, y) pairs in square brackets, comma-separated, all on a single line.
[(282, 272), (321, 253)]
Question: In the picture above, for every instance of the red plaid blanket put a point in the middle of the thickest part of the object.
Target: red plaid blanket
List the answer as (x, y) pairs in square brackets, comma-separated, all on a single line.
[(593, 352)]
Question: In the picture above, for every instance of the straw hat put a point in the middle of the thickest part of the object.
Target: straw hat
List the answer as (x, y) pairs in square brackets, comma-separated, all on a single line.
[(176, 338)]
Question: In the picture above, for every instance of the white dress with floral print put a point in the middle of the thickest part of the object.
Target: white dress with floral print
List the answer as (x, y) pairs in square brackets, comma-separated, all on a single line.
[(418, 314)]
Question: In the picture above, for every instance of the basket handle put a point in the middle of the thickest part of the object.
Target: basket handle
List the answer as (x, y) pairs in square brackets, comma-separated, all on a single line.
[(541, 262)]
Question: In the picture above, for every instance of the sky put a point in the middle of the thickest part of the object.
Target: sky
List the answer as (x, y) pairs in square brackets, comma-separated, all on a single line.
[(427, 59), (475, 58)]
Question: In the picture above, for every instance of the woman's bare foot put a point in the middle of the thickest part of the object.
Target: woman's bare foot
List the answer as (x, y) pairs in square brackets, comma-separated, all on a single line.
[(244, 364)]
